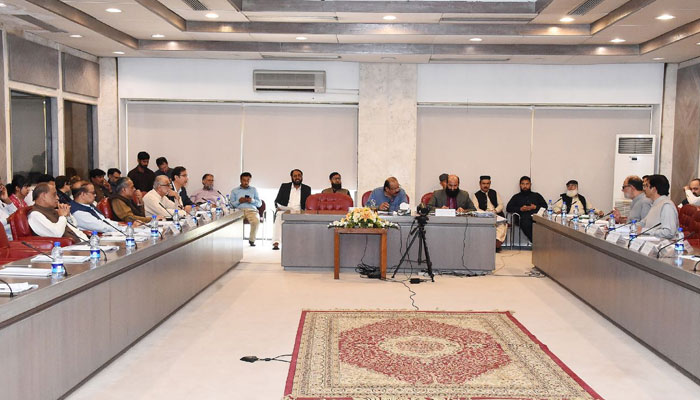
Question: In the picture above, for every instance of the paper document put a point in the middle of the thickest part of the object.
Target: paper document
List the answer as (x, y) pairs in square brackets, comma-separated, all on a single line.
[(25, 271), (66, 259), (17, 288), (137, 238), (85, 247)]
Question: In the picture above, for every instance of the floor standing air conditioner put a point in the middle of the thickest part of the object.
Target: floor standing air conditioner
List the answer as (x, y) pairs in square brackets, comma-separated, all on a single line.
[(634, 155)]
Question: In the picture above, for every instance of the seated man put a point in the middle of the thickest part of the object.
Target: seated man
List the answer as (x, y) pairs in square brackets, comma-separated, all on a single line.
[(63, 189), (102, 188), (86, 216), (6, 209), (156, 201), (291, 197), (572, 198), (488, 199), (692, 193), (336, 185), (633, 189), (443, 180), (124, 207), (207, 193), (389, 197), (49, 218), (178, 195), (525, 204), (451, 197), (113, 175), (663, 212), (245, 197)]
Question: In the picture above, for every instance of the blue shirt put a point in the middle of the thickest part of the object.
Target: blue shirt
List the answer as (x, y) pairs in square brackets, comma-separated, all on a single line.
[(379, 197), (238, 193)]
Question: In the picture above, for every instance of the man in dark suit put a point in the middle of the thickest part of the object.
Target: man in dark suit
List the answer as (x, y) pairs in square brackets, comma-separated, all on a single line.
[(452, 197), (291, 197)]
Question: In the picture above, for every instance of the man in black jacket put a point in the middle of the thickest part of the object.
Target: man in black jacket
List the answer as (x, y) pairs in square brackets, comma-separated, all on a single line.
[(525, 204), (291, 197)]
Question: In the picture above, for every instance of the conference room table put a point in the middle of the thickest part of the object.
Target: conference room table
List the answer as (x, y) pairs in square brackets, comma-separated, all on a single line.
[(56, 336), (460, 244), (655, 300)]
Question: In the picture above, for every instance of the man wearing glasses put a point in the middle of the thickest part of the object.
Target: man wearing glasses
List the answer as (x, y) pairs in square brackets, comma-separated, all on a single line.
[(389, 197), (86, 216), (156, 201), (633, 190)]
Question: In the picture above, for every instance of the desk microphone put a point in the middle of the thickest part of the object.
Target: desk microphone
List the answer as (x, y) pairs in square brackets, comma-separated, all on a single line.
[(673, 242), (75, 227), (65, 270), (166, 210)]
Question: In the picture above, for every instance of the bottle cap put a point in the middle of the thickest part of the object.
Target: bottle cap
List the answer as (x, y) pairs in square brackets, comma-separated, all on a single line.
[(128, 223), (680, 229), (57, 244), (94, 233), (153, 216)]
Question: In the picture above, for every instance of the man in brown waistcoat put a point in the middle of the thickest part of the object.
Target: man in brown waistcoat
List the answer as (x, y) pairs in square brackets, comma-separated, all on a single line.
[(49, 218)]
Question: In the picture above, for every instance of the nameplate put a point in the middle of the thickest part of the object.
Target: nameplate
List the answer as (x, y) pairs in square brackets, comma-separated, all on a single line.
[(174, 229), (207, 217), (649, 250), (592, 229), (541, 211), (637, 245), (190, 223), (445, 212), (613, 237)]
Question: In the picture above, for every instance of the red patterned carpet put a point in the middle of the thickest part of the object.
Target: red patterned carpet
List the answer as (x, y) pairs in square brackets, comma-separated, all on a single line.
[(413, 355)]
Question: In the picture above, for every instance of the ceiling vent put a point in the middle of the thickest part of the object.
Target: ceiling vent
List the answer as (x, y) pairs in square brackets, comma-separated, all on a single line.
[(289, 81), (585, 7), (195, 5)]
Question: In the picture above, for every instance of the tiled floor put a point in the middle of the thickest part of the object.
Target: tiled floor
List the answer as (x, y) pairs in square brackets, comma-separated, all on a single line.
[(254, 310)]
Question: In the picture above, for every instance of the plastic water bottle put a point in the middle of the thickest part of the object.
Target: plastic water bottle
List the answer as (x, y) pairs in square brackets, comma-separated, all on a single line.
[(130, 241), (611, 224), (209, 209), (591, 216), (176, 221), (575, 219), (193, 213), (228, 201), (563, 213), (57, 259), (154, 226), (633, 230), (219, 209), (550, 210), (94, 246), (680, 242)]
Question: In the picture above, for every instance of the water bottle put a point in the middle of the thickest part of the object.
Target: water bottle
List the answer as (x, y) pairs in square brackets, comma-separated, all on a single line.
[(633, 230), (130, 241), (680, 242), (57, 259), (611, 224), (563, 213), (591, 216), (228, 201), (209, 209), (176, 221), (154, 226), (94, 246), (575, 219), (219, 209), (550, 211), (193, 213)]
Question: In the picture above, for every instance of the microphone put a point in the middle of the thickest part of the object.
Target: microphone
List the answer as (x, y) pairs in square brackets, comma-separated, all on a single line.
[(65, 270), (166, 210), (672, 243)]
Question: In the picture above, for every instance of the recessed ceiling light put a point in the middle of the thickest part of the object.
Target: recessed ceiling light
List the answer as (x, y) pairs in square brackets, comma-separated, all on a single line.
[(665, 17), (211, 15), (389, 17), (3, 5), (76, 36), (476, 39), (118, 52), (617, 40), (157, 35), (113, 10), (658, 58), (567, 19), (301, 38)]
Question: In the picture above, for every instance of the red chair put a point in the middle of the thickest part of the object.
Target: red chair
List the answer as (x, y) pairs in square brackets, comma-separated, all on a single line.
[(21, 231), (694, 227), (365, 197), (13, 251), (329, 202), (426, 198), (686, 217), (105, 208)]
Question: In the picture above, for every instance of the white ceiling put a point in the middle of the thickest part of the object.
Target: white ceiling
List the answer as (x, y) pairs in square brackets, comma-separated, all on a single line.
[(354, 35)]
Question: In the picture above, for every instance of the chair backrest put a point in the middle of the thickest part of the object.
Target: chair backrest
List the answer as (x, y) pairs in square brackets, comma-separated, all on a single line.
[(105, 208), (365, 197), (328, 201), (4, 241), (426, 198), (686, 216), (261, 209), (19, 223), (694, 225)]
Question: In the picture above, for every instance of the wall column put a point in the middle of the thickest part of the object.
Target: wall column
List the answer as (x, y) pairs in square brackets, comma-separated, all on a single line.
[(108, 116), (686, 132)]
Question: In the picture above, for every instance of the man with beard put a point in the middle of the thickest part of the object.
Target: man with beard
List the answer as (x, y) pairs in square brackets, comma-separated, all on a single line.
[(336, 185), (389, 197), (572, 198), (451, 197), (489, 200), (525, 204), (291, 197), (692, 193), (633, 190), (207, 193)]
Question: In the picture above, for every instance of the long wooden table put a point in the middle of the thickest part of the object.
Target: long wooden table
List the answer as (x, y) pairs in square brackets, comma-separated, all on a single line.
[(54, 337), (654, 300), (466, 244)]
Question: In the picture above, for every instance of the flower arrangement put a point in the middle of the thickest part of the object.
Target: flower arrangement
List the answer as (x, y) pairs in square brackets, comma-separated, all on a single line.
[(362, 218)]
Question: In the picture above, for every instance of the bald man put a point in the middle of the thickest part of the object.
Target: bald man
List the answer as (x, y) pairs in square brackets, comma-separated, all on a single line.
[(389, 197), (451, 197)]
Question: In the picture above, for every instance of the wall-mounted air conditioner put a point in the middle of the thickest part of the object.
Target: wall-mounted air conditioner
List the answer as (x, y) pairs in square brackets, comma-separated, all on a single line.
[(289, 81), (634, 155)]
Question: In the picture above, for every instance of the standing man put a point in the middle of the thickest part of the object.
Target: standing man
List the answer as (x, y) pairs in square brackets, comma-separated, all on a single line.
[(179, 192), (86, 216), (49, 218), (97, 178), (290, 197), (163, 168), (662, 212), (336, 185), (489, 200), (127, 204), (142, 176), (525, 204), (156, 201), (245, 197), (389, 197), (692, 193), (113, 175), (633, 189), (207, 193), (451, 197), (572, 198)]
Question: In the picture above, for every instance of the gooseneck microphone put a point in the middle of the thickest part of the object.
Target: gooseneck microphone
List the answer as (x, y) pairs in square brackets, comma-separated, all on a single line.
[(166, 210), (672, 243), (65, 270)]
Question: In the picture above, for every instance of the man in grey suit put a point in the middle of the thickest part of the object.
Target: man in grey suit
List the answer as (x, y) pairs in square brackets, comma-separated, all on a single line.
[(451, 197)]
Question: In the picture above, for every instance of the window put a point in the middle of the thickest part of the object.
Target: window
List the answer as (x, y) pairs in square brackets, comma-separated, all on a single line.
[(78, 138), (30, 134)]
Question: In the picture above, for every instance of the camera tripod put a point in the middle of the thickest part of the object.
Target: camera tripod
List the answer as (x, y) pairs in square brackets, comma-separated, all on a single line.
[(418, 233)]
